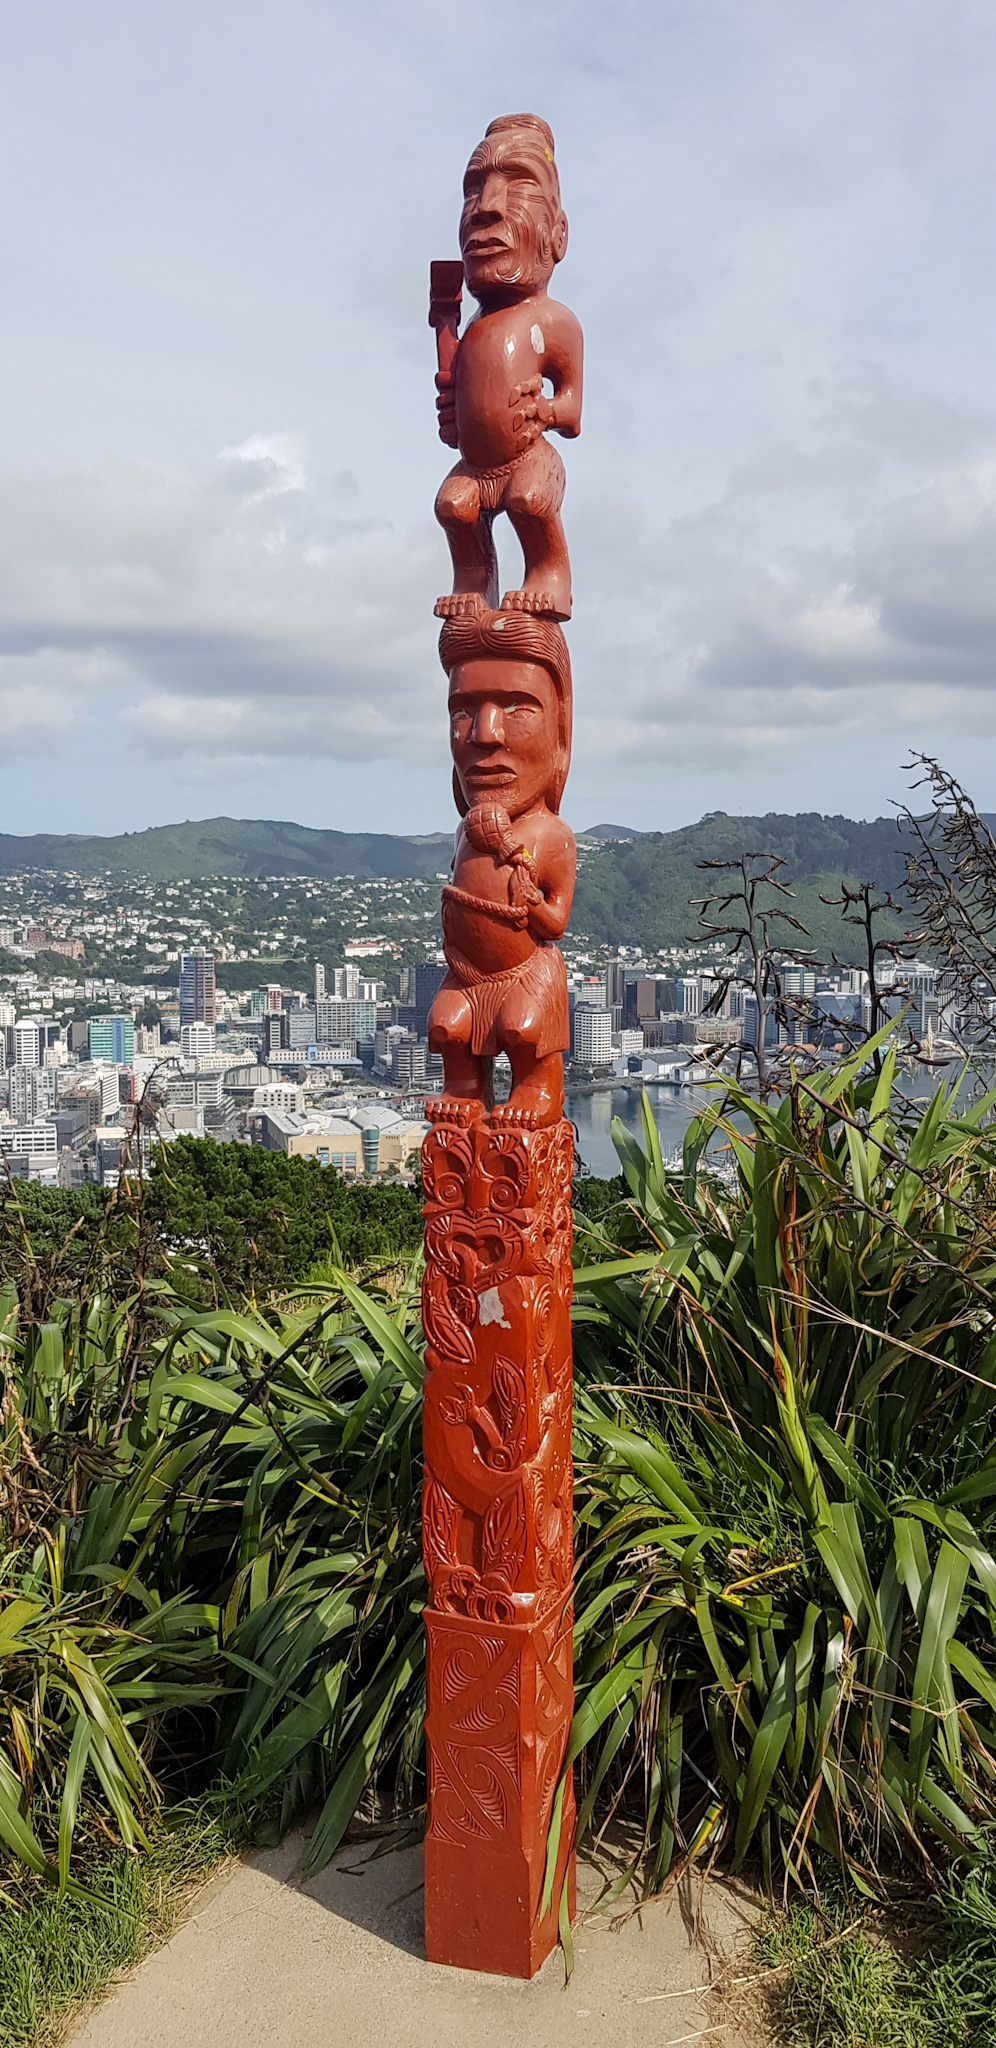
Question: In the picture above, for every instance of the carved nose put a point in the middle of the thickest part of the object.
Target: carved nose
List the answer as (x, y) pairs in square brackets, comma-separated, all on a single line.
[(489, 730), (492, 198)]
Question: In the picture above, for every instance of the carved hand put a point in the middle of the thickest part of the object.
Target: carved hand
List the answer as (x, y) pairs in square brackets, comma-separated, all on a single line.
[(525, 888), (533, 413), (446, 408)]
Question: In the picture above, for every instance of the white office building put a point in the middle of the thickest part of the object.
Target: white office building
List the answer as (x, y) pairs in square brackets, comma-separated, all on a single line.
[(32, 1141), (27, 1044), (196, 1041), (593, 1036)]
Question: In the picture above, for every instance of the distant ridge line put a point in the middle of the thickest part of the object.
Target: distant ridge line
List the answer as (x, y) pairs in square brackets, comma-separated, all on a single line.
[(199, 849), (812, 842)]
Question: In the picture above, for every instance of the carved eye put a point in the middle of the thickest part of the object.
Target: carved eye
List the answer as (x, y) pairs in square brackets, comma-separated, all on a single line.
[(507, 1171), (445, 1179)]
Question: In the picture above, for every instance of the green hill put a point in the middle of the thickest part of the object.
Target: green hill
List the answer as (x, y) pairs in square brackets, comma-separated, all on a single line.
[(633, 892), (638, 893), (228, 846)]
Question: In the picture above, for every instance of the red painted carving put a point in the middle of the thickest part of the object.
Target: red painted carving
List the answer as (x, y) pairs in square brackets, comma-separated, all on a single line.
[(513, 865), (491, 401), (497, 1531), (497, 1508)]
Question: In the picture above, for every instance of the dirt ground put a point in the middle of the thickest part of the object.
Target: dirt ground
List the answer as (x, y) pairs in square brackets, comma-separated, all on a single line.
[(263, 1960)]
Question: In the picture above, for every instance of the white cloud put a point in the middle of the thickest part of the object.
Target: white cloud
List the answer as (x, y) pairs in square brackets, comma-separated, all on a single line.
[(781, 510), (219, 617), (282, 457)]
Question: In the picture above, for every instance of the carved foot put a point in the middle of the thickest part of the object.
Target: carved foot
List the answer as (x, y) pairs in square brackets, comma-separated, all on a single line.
[(462, 604), (453, 1109), (543, 604), (508, 1116)]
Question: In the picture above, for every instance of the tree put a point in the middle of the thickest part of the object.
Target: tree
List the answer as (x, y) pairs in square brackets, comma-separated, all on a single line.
[(753, 946), (859, 908), (951, 883), (263, 1220)]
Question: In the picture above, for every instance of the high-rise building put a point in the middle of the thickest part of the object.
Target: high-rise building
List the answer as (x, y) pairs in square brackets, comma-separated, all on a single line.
[(42, 1092), (428, 978), (319, 981), (18, 1092), (275, 1033), (197, 987), (592, 1036), (345, 984), (196, 1041), (27, 1044), (301, 1026), (407, 1061), (340, 1022), (113, 1039), (265, 999), (615, 983)]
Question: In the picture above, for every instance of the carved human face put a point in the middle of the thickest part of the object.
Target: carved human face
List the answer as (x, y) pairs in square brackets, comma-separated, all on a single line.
[(504, 732), (513, 228)]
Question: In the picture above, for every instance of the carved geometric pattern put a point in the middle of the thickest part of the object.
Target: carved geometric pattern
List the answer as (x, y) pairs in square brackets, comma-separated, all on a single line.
[(500, 1707), (497, 1401), (497, 1524)]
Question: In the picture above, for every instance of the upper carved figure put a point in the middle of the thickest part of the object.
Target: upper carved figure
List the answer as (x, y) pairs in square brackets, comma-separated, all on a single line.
[(492, 404)]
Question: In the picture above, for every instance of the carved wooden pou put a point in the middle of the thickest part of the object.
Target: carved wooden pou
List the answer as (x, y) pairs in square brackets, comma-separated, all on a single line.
[(498, 1497)]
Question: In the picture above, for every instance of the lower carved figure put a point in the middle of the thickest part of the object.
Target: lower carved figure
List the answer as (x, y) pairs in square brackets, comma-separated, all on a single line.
[(513, 867)]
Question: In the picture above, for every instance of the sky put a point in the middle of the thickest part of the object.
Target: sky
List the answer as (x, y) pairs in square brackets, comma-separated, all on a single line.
[(218, 455)]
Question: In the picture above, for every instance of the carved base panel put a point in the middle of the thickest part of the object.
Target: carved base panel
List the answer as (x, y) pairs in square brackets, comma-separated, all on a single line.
[(497, 1531), (500, 1705)]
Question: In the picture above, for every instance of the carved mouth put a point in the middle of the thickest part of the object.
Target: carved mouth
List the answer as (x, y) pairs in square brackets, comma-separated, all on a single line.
[(489, 247)]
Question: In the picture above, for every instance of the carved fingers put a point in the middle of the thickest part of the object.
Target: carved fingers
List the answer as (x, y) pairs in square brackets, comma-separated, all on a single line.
[(446, 408), (531, 412), (526, 889)]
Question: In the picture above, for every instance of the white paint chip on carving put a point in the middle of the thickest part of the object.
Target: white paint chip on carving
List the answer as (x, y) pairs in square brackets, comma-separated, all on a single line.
[(536, 337), (490, 1310)]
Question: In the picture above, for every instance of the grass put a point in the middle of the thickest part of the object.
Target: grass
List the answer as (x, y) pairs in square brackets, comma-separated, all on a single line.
[(56, 1956), (845, 1978)]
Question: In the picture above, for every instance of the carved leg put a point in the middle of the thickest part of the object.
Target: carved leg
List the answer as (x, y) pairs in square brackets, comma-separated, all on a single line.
[(449, 1032), (497, 1537), (537, 1094), (533, 500), (472, 549)]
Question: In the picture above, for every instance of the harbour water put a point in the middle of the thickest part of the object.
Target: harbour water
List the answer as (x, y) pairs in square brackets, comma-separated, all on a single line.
[(673, 1108)]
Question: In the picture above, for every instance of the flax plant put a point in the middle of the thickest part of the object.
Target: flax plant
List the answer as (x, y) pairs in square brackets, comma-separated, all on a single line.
[(787, 1475), (241, 1558)]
